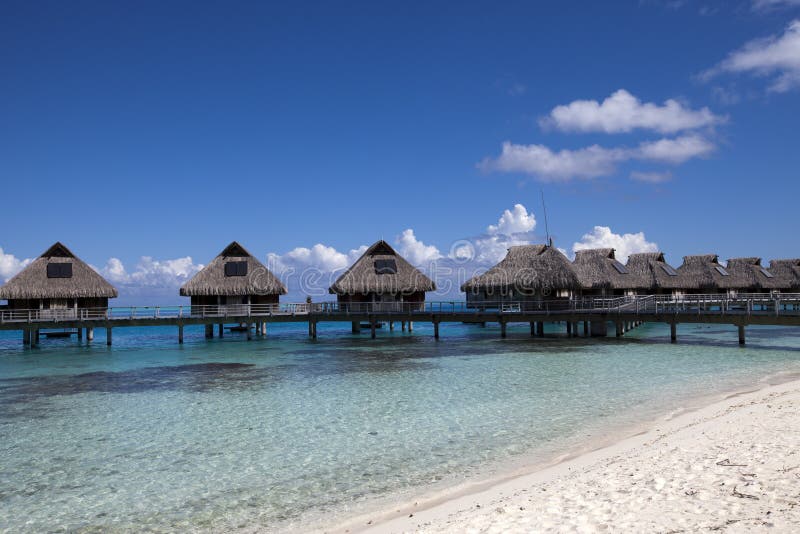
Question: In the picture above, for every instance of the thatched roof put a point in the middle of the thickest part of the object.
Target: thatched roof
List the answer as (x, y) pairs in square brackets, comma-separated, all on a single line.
[(649, 271), (596, 269), (701, 272), (528, 268), (33, 281), (213, 281), (381, 270), (787, 272), (747, 274)]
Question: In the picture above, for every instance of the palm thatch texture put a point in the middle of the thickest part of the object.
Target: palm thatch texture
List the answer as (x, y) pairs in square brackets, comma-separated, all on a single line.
[(650, 273), (381, 271), (600, 273), (527, 271), (57, 275), (787, 272), (703, 273), (748, 275), (234, 272)]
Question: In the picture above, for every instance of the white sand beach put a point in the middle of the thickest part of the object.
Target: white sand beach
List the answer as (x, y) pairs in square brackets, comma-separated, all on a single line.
[(732, 466)]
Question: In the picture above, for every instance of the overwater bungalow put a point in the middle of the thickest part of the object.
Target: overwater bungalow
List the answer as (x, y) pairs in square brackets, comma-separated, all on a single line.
[(528, 273), (384, 278), (230, 283), (601, 274), (747, 275), (703, 274), (788, 274), (650, 274), (57, 284)]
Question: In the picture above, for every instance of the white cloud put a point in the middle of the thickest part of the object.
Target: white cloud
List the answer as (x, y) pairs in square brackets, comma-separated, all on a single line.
[(513, 221), (593, 161), (777, 55), (624, 245), (761, 5), (151, 273), (322, 257), (415, 251), (651, 177), (675, 151), (10, 265), (622, 112), (514, 227)]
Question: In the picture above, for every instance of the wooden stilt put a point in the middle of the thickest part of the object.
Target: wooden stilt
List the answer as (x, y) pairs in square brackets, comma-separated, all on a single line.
[(26, 337), (436, 330), (263, 328), (108, 335), (569, 329), (249, 331), (391, 326), (80, 334), (741, 335), (90, 334), (410, 326), (372, 329), (533, 329), (540, 329), (585, 328), (209, 331), (356, 327), (220, 330), (403, 326), (180, 334), (502, 329), (673, 332)]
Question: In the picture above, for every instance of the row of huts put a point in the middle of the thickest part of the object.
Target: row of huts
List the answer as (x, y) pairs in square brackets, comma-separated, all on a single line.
[(59, 280)]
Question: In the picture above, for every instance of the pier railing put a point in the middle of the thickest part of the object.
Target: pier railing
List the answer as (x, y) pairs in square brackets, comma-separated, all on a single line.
[(716, 304)]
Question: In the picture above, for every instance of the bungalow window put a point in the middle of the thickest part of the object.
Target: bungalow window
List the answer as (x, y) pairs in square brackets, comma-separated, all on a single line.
[(385, 267), (563, 293), (236, 268), (59, 270)]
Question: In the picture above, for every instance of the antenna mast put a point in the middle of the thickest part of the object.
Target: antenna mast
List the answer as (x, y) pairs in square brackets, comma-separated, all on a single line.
[(546, 226)]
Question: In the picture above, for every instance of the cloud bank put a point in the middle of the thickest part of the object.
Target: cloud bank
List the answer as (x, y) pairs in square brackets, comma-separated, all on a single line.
[(624, 244), (776, 56), (622, 113)]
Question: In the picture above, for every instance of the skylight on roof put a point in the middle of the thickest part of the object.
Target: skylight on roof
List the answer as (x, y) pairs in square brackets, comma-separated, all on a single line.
[(721, 270), (669, 270), (619, 267), (766, 273)]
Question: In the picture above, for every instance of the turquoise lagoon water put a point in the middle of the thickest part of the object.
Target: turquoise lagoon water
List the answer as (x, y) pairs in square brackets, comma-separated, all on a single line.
[(285, 431)]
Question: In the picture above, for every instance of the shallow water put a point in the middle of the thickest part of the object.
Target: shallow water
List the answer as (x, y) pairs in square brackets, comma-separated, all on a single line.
[(281, 431)]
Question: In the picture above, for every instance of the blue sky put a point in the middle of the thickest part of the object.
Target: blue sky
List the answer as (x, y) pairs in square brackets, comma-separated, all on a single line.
[(166, 130)]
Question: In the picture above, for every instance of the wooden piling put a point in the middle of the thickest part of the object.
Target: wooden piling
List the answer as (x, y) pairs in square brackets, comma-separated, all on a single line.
[(741, 334), (502, 329), (673, 332), (209, 331), (220, 330), (436, 330), (108, 335), (180, 334)]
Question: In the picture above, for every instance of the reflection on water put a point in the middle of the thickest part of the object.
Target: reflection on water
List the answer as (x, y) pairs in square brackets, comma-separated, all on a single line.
[(213, 435)]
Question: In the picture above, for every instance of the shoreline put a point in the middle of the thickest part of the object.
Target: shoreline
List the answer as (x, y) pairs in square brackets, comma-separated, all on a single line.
[(433, 510)]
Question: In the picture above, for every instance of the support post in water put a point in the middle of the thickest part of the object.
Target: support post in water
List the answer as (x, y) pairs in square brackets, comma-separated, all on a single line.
[(80, 334), (90, 334), (585, 328), (673, 332), (263, 328), (372, 327), (391, 326), (249, 327), (108, 335), (502, 328), (209, 331), (741, 334), (220, 329), (356, 327), (569, 329), (180, 334), (435, 329), (533, 329)]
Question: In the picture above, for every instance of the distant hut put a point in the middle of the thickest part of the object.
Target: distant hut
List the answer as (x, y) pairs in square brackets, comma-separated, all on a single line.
[(528, 273), (787, 273), (704, 274), (233, 279), (382, 276), (601, 274), (747, 275), (650, 274), (58, 283)]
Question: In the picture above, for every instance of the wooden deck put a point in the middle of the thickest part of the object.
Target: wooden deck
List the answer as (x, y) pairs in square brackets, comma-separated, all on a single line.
[(595, 313)]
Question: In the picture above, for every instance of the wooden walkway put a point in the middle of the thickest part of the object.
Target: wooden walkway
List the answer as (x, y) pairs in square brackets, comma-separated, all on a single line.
[(594, 313)]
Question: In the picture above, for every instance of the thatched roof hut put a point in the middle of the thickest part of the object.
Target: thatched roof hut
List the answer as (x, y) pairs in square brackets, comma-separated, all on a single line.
[(527, 269), (747, 274), (382, 271), (703, 272), (599, 271), (649, 272), (234, 272), (57, 275), (787, 272)]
